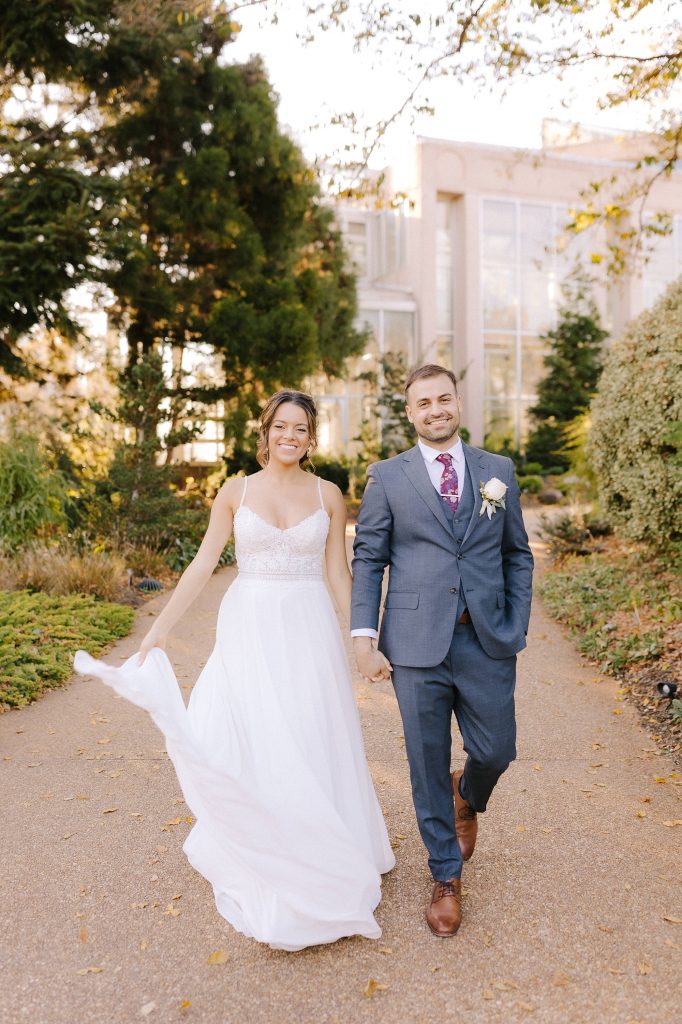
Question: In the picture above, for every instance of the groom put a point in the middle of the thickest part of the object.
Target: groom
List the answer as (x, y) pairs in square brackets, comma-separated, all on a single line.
[(446, 519)]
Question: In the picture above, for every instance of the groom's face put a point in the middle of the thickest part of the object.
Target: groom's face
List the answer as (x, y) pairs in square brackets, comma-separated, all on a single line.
[(434, 409)]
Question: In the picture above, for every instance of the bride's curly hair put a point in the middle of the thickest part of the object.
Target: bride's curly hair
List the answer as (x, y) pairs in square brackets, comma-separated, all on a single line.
[(268, 416)]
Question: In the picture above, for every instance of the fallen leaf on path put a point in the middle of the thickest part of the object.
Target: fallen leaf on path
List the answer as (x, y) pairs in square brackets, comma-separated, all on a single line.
[(136, 814), (487, 994), (488, 939), (171, 911), (139, 906), (617, 711), (561, 979), (105, 739), (143, 945), (220, 956), (34, 764), (672, 920), (184, 1005), (147, 1009), (640, 814), (525, 1006), (82, 796), (644, 967), (109, 810), (600, 764), (615, 970), (178, 896), (672, 824), (69, 835), (188, 819), (605, 928), (90, 970), (520, 828), (673, 945), (537, 767), (660, 780), (386, 950), (373, 986), (83, 935), (114, 775), (504, 985), (645, 799)]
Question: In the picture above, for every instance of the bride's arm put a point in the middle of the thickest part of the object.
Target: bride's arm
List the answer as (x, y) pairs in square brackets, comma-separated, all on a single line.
[(338, 573), (199, 570)]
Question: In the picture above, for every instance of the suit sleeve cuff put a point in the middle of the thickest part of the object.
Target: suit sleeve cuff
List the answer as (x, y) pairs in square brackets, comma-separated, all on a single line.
[(364, 632)]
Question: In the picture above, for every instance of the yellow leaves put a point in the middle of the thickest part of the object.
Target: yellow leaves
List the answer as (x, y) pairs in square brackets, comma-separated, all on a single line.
[(104, 740), (520, 828), (537, 767), (220, 956), (617, 711), (140, 906), (673, 823), (644, 967), (640, 814), (109, 810), (169, 824), (171, 911), (184, 1005), (144, 945), (660, 780), (90, 970), (386, 950), (672, 920), (605, 928), (372, 987), (83, 935)]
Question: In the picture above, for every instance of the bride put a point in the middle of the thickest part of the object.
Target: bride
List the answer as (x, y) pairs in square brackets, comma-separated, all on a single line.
[(269, 752)]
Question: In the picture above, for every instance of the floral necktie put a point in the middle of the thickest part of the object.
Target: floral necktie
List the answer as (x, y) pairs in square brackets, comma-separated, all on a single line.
[(449, 487)]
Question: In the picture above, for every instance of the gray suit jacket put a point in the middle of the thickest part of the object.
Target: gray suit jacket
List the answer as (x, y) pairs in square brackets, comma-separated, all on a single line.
[(402, 525)]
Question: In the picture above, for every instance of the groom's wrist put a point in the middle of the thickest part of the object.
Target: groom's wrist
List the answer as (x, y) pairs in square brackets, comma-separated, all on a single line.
[(362, 644)]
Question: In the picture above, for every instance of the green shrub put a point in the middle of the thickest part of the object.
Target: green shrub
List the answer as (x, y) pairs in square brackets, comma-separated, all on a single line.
[(334, 471), (531, 484), (32, 493), (635, 442), (39, 634), (532, 469)]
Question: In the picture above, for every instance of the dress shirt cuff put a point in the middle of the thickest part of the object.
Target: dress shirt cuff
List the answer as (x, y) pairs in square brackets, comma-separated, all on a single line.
[(364, 632)]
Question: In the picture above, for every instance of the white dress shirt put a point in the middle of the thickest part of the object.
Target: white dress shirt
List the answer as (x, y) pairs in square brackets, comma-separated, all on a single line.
[(435, 470)]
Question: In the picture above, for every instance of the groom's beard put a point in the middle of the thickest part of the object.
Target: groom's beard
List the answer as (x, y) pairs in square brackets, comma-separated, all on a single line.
[(440, 432)]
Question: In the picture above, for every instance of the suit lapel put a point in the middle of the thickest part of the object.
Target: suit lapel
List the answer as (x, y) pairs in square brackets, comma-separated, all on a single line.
[(417, 473), (478, 468)]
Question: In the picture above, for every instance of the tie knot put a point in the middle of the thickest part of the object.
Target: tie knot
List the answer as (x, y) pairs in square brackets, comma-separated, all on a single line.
[(445, 458)]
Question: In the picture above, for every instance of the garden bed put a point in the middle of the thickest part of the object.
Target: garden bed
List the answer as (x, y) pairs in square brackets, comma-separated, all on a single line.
[(623, 607), (39, 634)]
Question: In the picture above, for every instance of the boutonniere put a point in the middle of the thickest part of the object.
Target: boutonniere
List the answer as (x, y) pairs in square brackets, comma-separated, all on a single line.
[(493, 496)]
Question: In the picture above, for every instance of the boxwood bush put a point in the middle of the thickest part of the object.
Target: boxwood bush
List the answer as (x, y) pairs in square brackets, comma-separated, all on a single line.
[(635, 440)]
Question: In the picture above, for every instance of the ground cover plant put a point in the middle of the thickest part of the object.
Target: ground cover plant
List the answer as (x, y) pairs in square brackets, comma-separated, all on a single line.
[(623, 607), (40, 633)]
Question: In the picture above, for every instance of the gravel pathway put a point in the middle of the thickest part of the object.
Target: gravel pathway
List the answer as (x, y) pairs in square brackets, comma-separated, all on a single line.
[(573, 900)]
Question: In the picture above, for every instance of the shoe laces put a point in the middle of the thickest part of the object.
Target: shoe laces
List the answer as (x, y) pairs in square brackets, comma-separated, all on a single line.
[(450, 888)]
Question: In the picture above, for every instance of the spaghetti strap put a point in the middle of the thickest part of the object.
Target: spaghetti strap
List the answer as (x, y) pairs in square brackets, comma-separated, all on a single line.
[(246, 480), (319, 491)]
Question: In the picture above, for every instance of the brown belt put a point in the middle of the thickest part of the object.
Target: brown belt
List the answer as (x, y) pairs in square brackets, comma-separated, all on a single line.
[(464, 618)]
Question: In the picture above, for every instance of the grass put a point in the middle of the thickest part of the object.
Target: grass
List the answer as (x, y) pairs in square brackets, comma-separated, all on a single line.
[(39, 634)]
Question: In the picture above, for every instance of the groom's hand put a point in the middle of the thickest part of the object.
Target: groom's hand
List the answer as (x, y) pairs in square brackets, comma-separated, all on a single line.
[(372, 664)]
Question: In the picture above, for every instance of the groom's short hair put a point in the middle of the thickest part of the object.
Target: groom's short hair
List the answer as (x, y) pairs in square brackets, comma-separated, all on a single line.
[(430, 370)]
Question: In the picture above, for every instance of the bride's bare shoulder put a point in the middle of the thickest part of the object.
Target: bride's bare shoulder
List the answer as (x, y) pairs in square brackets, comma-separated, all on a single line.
[(230, 494)]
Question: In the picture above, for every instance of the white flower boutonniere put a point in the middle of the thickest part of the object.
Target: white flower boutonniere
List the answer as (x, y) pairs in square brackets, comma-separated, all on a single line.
[(493, 496)]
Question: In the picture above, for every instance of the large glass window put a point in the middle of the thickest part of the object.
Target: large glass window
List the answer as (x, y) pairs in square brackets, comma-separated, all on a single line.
[(522, 267)]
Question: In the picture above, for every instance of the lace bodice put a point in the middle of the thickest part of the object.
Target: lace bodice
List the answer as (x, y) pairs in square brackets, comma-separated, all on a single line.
[(268, 551)]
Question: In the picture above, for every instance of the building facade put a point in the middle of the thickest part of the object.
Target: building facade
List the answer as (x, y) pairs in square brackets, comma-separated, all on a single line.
[(466, 270)]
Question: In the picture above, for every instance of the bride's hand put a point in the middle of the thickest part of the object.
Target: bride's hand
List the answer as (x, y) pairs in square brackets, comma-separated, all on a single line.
[(151, 640)]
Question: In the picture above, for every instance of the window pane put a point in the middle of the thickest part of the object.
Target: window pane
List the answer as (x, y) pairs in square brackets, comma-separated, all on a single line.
[(499, 419), (499, 232), (537, 300), (500, 367), (533, 369), (356, 242), (536, 234), (499, 300), (398, 333)]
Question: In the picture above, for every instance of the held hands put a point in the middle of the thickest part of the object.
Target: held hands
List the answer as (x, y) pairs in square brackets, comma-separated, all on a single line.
[(152, 639), (372, 664)]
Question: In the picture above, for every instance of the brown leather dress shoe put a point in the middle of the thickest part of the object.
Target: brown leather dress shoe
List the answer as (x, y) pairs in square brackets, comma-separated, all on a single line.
[(444, 914), (466, 823)]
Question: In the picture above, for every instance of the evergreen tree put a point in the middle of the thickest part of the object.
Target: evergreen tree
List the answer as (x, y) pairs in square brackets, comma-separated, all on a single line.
[(574, 366)]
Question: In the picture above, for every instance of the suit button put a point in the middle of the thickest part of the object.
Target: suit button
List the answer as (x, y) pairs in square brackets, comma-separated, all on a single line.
[(453, 590)]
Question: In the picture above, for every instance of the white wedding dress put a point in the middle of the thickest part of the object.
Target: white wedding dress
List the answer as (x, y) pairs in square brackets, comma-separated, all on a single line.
[(269, 752)]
